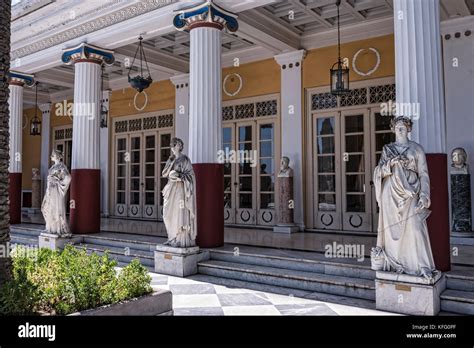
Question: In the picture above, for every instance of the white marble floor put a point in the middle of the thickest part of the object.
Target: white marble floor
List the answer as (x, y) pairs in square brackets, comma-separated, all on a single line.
[(196, 298)]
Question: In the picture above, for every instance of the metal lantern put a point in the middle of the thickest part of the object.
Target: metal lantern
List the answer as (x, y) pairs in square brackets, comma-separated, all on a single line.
[(104, 113), (339, 73), (35, 124), (140, 82)]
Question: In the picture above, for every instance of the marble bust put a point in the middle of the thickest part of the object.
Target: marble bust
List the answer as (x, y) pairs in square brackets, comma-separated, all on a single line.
[(35, 174), (285, 170), (54, 202), (179, 198), (459, 161), (402, 190)]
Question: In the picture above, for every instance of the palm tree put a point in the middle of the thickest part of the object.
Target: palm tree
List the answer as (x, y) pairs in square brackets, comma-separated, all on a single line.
[(5, 18)]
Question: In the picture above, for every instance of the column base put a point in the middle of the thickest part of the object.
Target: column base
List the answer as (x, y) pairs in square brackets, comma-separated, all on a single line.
[(85, 201), (14, 194), (178, 262), (55, 242), (438, 221), (209, 204), (286, 228), (406, 294)]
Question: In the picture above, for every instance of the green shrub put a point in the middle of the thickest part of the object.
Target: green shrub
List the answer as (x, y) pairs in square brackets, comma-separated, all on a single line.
[(64, 282)]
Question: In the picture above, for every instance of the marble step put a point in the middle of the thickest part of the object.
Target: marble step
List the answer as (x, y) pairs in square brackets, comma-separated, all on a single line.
[(460, 280), (457, 301), (294, 260), (119, 242), (294, 279), (146, 258), (27, 230), (299, 294), (23, 239)]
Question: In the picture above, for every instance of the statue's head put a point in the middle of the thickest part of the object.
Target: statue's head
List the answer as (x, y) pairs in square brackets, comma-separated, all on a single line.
[(401, 126), (177, 145), (459, 157), (285, 163), (56, 156)]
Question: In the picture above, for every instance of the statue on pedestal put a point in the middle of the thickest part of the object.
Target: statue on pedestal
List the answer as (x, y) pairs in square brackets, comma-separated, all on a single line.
[(54, 205), (285, 215), (179, 195), (402, 188), (35, 189), (460, 193)]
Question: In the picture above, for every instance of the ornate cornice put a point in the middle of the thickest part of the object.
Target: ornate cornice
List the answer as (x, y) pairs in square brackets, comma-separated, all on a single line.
[(91, 26), (207, 14)]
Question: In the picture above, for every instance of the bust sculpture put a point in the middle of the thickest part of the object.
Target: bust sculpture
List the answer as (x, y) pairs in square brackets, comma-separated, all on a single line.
[(285, 170), (179, 196), (459, 161), (35, 174), (402, 189), (54, 205)]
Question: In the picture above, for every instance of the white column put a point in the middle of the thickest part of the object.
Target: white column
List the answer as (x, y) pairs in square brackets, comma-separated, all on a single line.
[(104, 158), (292, 123), (181, 114), (15, 102), (45, 143), (418, 69), (86, 120), (205, 114)]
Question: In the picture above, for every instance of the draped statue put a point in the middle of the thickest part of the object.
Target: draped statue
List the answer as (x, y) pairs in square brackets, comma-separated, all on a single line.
[(402, 188), (179, 196), (54, 204)]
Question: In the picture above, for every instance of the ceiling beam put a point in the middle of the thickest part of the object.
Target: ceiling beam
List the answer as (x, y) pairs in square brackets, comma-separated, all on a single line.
[(352, 10), (310, 12)]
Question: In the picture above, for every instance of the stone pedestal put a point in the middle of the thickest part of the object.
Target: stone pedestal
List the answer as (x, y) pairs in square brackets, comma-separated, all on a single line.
[(285, 214), (406, 294), (54, 242), (179, 262), (35, 196), (461, 205)]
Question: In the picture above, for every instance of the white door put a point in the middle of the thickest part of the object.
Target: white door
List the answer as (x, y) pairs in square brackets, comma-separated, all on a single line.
[(230, 183), (135, 181), (121, 169)]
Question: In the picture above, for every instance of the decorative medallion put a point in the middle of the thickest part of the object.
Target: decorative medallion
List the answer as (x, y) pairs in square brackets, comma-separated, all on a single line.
[(135, 101), (265, 219), (356, 225), (371, 71), (247, 218), (324, 222), (232, 77)]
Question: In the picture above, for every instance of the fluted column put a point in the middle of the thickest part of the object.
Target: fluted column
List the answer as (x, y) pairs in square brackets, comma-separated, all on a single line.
[(205, 22), (419, 82), (15, 101), (45, 143), (181, 114), (85, 167)]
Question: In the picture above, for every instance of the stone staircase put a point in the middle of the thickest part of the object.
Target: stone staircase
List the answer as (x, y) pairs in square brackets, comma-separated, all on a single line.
[(292, 270), (459, 294)]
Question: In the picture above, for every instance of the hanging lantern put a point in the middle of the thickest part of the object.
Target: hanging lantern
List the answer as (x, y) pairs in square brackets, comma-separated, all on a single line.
[(35, 124), (339, 73), (140, 82), (104, 113)]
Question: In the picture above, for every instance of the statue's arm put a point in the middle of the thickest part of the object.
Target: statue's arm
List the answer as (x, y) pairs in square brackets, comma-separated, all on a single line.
[(423, 177), (385, 164), (168, 167)]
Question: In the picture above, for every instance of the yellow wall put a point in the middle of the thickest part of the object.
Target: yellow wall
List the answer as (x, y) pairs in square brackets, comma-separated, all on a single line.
[(317, 63), (59, 117), (258, 78), (31, 149), (161, 96)]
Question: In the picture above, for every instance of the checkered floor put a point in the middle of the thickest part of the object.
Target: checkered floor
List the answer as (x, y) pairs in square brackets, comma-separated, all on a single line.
[(191, 297)]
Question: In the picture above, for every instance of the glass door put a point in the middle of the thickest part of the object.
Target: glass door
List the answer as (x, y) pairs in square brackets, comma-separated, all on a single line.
[(356, 171), (266, 174), (230, 183), (136, 177), (163, 155), (121, 158), (150, 206), (246, 175), (326, 165)]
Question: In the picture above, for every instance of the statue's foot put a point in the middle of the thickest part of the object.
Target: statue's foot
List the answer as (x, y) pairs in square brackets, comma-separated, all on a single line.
[(426, 273)]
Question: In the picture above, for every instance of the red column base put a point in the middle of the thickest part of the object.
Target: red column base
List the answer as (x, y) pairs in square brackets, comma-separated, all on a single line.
[(14, 194), (438, 221), (209, 204), (85, 201)]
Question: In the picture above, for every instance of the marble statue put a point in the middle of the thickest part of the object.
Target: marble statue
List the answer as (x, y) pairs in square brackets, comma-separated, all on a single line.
[(459, 161), (461, 215), (35, 190), (285, 170), (54, 205), (402, 189), (179, 195)]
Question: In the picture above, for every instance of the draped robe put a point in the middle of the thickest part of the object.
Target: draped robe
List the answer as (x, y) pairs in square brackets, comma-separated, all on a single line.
[(54, 205), (179, 202), (402, 229)]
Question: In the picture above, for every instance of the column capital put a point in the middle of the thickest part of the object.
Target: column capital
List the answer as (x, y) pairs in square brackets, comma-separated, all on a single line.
[(292, 57), (45, 108), (85, 52), (180, 81), (20, 79), (206, 14)]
